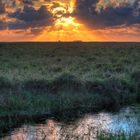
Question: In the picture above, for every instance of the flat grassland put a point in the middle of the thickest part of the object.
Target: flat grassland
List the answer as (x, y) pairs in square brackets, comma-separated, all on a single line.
[(65, 79)]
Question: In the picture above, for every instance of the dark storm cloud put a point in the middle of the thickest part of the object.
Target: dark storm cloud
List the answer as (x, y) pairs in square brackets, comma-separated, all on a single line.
[(29, 14), (26, 16), (28, 2), (108, 15), (2, 8), (2, 25), (29, 17)]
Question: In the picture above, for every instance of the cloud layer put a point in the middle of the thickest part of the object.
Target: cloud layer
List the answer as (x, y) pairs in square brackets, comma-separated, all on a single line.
[(23, 14), (108, 13), (95, 14)]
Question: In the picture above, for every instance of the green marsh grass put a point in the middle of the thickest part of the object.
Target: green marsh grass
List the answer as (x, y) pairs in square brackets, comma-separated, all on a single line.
[(66, 79)]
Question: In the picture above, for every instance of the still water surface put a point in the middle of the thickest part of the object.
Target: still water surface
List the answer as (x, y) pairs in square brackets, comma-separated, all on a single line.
[(126, 120)]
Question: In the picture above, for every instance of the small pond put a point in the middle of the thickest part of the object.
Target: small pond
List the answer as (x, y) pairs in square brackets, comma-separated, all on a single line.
[(127, 120)]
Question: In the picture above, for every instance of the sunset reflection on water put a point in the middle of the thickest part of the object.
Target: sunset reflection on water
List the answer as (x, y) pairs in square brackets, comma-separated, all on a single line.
[(86, 128)]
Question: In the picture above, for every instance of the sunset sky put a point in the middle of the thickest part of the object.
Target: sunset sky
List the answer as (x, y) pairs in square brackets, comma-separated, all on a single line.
[(69, 20)]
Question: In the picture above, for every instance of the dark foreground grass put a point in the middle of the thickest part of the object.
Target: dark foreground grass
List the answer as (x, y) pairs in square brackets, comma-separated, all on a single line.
[(65, 80)]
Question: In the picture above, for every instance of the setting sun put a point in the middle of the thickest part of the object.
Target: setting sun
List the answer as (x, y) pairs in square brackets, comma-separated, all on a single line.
[(62, 13), (65, 27)]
